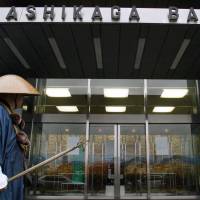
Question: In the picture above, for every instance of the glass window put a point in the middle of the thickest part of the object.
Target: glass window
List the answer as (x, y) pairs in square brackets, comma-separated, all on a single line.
[(62, 96), (50, 139), (117, 163), (174, 159), (117, 101), (174, 100)]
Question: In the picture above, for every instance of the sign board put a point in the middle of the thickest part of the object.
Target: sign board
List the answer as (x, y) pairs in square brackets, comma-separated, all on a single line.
[(115, 14)]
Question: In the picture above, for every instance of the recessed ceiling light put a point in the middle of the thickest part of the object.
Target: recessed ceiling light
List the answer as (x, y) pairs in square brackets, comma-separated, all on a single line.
[(174, 93), (180, 53), (98, 52), (163, 109), (116, 93), (115, 108), (25, 107), (58, 92), (57, 52), (140, 50), (16, 52), (67, 108)]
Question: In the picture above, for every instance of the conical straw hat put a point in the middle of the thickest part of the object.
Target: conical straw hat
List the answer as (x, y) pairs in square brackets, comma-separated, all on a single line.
[(13, 84)]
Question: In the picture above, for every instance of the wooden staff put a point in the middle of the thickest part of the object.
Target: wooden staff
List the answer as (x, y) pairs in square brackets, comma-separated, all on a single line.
[(46, 161)]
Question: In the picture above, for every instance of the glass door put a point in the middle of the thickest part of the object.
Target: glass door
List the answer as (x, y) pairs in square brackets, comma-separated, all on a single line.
[(132, 160), (117, 161), (102, 161)]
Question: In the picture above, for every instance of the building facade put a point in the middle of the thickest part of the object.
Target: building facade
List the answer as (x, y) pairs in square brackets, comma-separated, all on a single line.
[(122, 75), (143, 139)]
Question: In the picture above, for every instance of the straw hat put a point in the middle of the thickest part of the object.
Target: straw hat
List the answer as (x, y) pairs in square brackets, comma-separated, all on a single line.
[(13, 84)]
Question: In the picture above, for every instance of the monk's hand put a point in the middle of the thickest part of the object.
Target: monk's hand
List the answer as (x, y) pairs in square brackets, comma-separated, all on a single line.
[(3, 181)]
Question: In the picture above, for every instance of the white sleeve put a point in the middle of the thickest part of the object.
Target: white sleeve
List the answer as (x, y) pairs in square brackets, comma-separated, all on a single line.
[(3, 180)]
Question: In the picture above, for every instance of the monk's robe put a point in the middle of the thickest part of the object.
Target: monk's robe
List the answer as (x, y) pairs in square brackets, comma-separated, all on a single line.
[(11, 157)]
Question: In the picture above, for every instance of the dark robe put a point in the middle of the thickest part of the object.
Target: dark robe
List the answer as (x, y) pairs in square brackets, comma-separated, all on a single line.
[(11, 157)]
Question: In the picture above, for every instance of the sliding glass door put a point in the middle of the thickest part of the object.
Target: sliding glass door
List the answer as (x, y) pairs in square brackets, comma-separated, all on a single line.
[(117, 161), (132, 161), (102, 156)]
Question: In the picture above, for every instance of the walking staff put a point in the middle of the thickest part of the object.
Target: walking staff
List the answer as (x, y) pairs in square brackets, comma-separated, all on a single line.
[(45, 162)]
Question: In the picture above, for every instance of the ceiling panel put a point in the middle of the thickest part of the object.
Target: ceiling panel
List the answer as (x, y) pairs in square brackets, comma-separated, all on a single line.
[(16, 34), (85, 48), (8, 60), (169, 50), (154, 42), (96, 33), (119, 43), (110, 38), (67, 46), (144, 32), (194, 71), (187, 63), (39, 41), (128, 46), (57, 62)]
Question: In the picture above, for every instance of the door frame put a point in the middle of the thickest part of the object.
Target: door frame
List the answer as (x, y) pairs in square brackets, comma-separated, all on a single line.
[(117, 159), (129, 196)]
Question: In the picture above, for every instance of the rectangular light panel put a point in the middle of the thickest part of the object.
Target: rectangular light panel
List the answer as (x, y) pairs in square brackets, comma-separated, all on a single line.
[(67, 108), (16, 52), (57, 52), (180, 53), (115, 108), (140, 49), (174, 93), (98, 52), (58, 92), (163, 109), (116, 93)]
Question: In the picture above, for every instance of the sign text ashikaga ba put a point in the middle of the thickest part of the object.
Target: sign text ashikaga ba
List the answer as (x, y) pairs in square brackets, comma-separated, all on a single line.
[(114, 14)]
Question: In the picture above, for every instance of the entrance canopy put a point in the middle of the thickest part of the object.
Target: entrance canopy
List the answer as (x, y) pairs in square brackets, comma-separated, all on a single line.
[(102, 49)]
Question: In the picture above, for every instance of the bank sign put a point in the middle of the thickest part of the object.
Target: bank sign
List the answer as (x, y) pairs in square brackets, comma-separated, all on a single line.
[(115, 14)]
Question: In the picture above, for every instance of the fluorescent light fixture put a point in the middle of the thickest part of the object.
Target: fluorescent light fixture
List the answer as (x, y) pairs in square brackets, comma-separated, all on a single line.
[(57, 52), (25, 107), (16, 52), (116, 93), (163, 109), (58, 92), (140, 49), (67, 108), (174, 93), (180, 53), (98, 52), (115, 108)]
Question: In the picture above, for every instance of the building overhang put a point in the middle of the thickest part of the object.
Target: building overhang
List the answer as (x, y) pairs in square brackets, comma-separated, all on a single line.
[(99, 42)]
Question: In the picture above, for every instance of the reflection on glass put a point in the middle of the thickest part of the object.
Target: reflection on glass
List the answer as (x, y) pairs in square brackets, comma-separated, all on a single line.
[(174, 157), (118, 96), (171, 97), (101, 160), (133, 159), (65, 175), (174, 148), (62, 96)]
